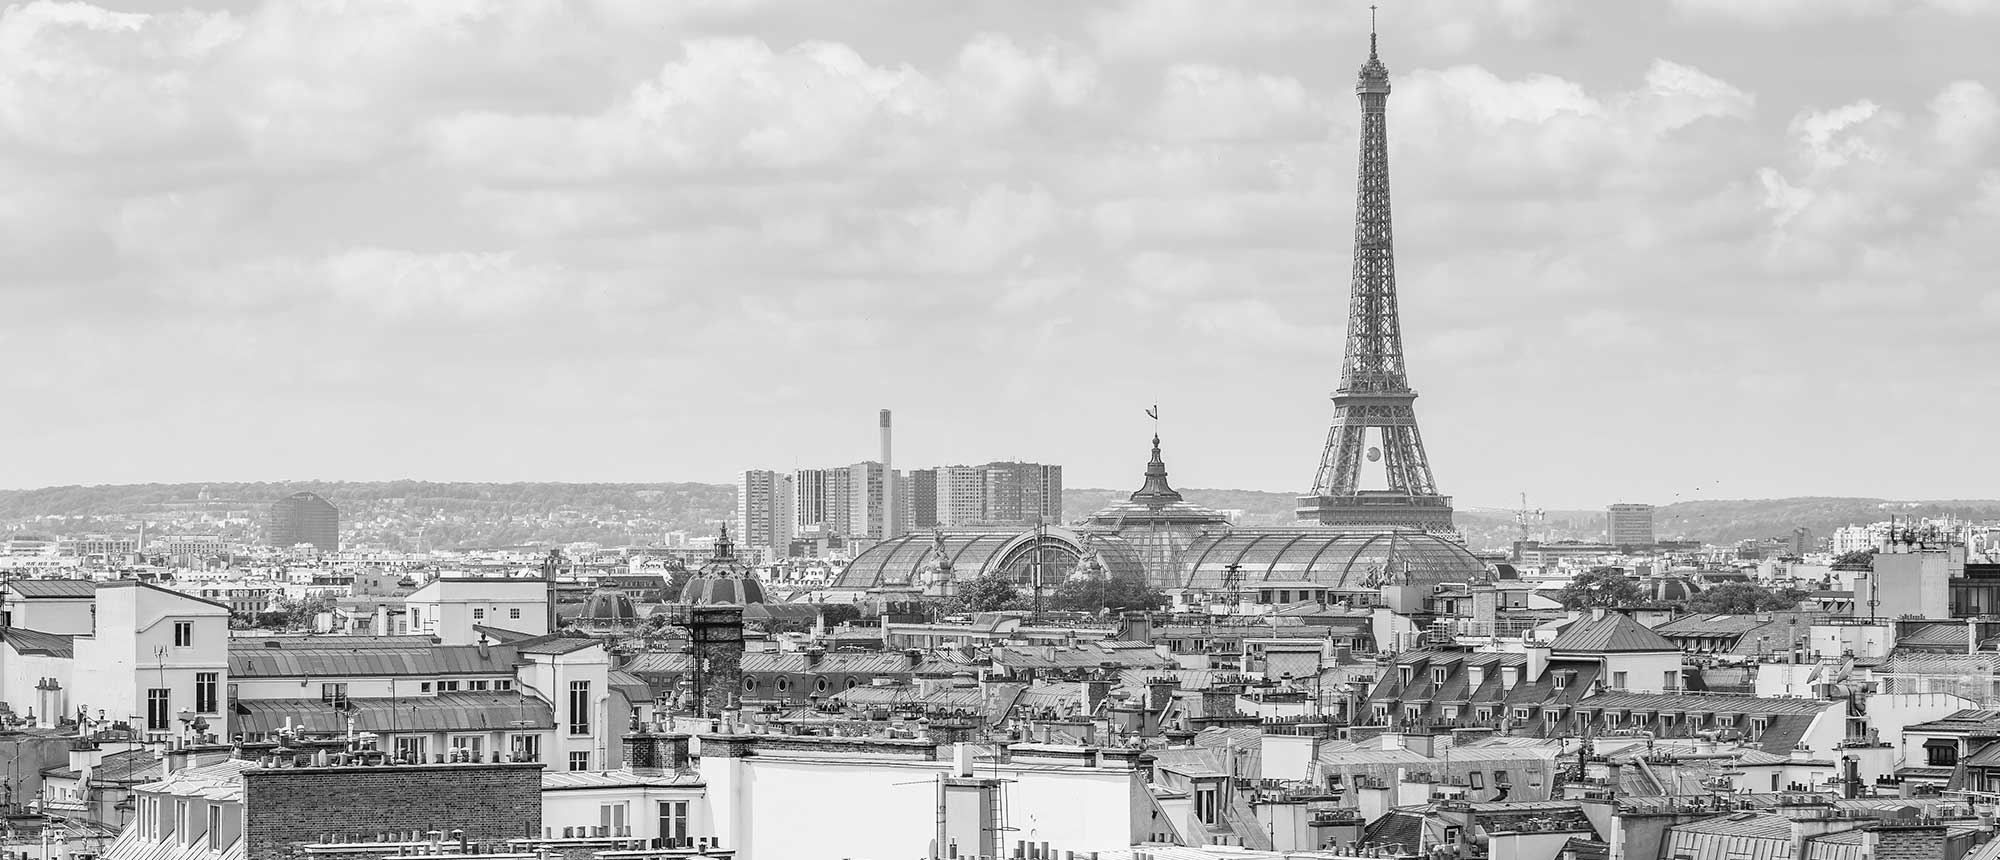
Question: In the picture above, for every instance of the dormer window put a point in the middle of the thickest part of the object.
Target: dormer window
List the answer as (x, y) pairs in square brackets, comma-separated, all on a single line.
[(1407, 673), (1561, 680), (1438, 674), (1759, 724)]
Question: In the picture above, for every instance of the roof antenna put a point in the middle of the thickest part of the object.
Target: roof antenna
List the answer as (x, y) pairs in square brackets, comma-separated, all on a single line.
[(1371, 31)]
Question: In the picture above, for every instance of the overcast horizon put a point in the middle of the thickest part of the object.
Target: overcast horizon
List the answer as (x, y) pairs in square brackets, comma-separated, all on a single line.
[(1691, 249)]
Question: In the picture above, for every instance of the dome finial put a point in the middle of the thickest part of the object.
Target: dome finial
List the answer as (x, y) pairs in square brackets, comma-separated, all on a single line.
[(1156, 492)]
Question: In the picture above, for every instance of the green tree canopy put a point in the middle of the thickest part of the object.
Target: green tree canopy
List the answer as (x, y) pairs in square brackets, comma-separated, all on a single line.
[(1094, 594), (1601, 586), (1744, 598), (990, 592)]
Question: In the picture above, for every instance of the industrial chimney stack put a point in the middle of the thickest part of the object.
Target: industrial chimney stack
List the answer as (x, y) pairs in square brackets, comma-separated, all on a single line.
[(888, 483)]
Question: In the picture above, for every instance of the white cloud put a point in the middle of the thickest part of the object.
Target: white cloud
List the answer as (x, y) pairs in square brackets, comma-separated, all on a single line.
[(1154, 29), (1205, 102), (728, 104), (77, 80), (1777, 13), (998, 82)]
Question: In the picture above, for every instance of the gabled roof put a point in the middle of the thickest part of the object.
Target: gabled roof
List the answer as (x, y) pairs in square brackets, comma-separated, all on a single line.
[(138, 765), (444, 712), (1750, 825), (1615, 633), (325, 659), (221, 781), (555, 644), (1678, 703), (25, 641), (52, 589)]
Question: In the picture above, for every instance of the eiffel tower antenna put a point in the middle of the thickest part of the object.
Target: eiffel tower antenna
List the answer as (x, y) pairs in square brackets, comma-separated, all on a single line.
[(1374, 393)]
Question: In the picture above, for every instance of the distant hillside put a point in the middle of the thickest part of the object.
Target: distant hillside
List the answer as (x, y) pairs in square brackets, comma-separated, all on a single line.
[(410, 514), (1718, 522), (389, 513), (1728, 521)]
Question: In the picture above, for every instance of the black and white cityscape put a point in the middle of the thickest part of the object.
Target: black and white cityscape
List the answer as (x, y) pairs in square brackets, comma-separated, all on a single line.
[(896, 430)]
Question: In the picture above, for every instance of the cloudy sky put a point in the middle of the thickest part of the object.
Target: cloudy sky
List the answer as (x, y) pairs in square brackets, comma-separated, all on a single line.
[(1690, 249)]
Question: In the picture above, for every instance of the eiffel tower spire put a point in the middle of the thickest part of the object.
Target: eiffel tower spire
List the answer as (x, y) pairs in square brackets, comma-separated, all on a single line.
[(1374, 393)]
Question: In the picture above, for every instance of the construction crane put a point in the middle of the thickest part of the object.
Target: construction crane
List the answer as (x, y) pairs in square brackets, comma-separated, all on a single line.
[(1529, 519)]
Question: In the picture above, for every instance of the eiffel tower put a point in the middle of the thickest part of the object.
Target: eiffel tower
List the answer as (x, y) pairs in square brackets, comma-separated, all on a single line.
[(1374, 393)]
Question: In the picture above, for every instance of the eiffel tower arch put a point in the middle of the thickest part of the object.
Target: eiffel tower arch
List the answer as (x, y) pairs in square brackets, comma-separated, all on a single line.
[(1374, 401)]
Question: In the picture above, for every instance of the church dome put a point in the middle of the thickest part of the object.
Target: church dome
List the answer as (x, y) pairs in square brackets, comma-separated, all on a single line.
[(723, 579), (736, 591), (608, 606)]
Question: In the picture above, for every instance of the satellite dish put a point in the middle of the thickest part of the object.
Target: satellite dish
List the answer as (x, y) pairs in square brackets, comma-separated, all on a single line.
[(1374, 455)]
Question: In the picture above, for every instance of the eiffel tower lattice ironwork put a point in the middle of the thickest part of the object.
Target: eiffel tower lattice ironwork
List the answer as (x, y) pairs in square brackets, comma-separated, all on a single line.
[(1374, 393)]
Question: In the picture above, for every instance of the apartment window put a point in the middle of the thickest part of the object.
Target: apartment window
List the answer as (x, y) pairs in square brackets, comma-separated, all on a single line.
[(514, 613), (1774, 782), (1408, 673), (674, 821), (479, 614), (204, 691), (579, 707), (214, 827), (424, 687), (527, 747), (411, 749), (334, 694), (1671, 682), (1413, 713), (1476, 779), (503, 684), (1451, 712), (1562, 680), (1483, 714), (1206, 804), (1758, 725), (183, 634), (579, 761), (1618, 680), (156, 709), (1500, 778), (472, 747), (784, 684), (183, 823), (477, 686), (447, 686), (1437, 674), (611, 817)]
